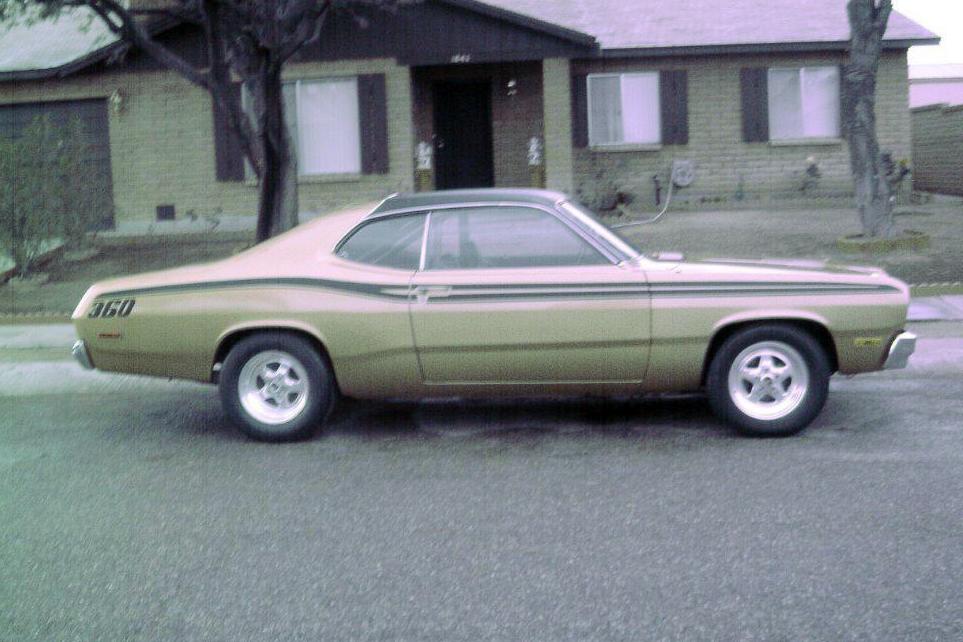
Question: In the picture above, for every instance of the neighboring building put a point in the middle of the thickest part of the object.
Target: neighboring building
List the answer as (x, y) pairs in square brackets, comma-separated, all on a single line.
[(935, 85), (938, 149), (586, 96), (936, 98)]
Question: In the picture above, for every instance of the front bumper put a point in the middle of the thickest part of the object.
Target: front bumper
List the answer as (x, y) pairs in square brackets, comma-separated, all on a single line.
[(899, 353), (82, 355)]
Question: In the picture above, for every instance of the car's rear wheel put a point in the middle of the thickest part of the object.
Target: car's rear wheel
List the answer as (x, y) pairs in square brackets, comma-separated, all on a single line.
[(769, 380), (276, 387)]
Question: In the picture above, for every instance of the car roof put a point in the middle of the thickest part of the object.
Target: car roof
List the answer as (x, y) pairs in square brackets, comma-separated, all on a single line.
[(417, 200)]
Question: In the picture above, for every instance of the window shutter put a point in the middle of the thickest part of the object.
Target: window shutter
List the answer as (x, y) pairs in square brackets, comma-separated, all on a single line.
[(755, 104), (373, 120), (674, 103), (580, 136), (228, 157)]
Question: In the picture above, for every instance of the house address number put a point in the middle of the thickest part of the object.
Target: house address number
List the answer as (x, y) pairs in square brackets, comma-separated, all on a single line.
[(461, 58)]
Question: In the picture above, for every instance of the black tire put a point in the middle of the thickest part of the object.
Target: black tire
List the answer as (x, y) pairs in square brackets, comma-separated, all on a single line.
[(805, 406), (320, 390)]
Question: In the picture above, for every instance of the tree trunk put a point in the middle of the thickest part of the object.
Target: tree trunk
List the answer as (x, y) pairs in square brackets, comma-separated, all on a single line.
[(873, 191), (278, 197)]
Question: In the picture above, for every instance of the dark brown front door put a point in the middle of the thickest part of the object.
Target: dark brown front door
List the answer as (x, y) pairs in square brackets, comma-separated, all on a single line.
[(463, 135)]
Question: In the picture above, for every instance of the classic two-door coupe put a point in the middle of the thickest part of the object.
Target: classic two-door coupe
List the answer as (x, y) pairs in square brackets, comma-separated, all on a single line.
[(492, 293)]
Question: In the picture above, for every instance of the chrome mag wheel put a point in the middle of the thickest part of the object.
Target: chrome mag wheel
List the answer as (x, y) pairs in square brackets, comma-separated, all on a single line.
[(768, 380), (273, 387)]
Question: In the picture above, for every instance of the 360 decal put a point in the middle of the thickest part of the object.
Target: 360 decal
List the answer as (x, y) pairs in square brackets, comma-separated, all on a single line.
[(111, 308)]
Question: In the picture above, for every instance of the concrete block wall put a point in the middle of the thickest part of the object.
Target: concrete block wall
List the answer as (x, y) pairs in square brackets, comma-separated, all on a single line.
[(163, 148), (730, 173), (938, 149)]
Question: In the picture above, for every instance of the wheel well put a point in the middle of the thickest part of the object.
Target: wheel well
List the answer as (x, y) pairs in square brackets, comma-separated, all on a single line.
[(231, 340), (816, 330)]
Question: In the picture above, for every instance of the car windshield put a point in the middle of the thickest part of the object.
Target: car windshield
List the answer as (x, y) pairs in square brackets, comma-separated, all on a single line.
[(600, 230)]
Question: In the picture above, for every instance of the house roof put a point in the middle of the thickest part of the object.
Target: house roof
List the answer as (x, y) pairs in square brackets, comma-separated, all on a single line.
[(53, 43), (662, 24), (621, 27), (936, 72)]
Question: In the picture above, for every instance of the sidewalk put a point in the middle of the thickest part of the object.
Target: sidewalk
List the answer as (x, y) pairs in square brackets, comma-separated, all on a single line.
[(937, 308), (62, 335)]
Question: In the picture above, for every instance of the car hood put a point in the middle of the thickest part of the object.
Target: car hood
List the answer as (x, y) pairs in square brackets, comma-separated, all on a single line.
[(774, 271)]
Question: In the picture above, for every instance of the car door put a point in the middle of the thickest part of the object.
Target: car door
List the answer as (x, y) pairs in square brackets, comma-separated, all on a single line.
[(366, 320), (515, 295)]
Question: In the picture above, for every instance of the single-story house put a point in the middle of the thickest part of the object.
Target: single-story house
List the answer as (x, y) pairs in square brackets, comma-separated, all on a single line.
[(591, 97), (936, 85)]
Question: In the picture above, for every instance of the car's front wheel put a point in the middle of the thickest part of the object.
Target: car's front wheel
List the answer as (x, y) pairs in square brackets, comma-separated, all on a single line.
[(769, 380), (276, 387)]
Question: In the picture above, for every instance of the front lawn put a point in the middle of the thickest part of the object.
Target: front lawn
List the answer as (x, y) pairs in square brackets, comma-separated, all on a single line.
[(778, 233), (68, 280)]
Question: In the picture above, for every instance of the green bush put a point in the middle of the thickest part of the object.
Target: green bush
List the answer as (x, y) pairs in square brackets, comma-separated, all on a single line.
[(44, 194)]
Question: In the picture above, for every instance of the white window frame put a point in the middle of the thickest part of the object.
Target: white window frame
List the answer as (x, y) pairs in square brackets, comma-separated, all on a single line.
[(801, 71), (297, 82), (658, 111)]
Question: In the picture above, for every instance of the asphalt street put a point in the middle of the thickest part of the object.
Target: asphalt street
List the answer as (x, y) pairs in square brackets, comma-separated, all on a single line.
[(131, 510)]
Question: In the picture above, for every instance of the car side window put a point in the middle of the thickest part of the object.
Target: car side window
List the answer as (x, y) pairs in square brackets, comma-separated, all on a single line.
[(504, 237), (392, 242)]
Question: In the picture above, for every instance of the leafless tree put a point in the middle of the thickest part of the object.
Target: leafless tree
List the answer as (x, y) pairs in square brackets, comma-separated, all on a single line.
[(872, 175), (245, 40)]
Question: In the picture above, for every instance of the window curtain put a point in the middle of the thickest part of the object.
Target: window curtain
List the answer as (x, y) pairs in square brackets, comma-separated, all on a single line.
[(329, 140), (605, 110), (820, 96), (785, 104), (641, 112), (804, 103)]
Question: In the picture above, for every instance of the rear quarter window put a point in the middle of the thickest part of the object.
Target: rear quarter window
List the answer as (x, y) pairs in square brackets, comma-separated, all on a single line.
[(392, 242)]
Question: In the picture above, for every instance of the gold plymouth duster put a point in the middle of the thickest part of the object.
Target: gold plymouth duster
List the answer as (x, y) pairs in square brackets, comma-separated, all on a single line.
[(492, 293)]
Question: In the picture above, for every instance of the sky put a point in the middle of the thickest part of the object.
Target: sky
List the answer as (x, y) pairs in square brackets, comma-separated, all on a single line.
[(943, 17)]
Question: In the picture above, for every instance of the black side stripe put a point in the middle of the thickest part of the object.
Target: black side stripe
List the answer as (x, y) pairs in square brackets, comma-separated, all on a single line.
[(526, 290), (369, 289)]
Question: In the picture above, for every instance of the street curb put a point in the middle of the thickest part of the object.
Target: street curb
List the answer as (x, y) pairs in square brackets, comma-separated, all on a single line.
[(42, 318)]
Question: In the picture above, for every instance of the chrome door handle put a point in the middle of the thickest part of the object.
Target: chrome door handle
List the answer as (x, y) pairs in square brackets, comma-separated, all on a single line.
[(425, 292)]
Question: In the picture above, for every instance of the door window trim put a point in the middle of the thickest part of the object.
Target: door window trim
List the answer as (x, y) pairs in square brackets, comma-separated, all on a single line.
[(559, 216), (609, 253), (369, 220)]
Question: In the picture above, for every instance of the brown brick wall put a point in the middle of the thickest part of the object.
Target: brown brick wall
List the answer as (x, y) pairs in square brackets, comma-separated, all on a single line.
[(938, 149), (730, 173)]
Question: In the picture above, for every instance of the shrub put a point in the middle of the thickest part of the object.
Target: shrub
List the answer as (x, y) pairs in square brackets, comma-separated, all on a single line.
[(44, 196)]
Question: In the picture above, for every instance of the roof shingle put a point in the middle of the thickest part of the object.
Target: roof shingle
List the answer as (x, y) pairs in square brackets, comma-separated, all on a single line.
[(631, 24), (616, 24)]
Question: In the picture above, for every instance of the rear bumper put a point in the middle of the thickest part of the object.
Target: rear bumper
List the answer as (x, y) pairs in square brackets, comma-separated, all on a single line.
[(82, 355), (899, 352)]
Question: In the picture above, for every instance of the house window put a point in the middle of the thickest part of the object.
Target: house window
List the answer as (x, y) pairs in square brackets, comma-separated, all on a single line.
[(803, 103), (624, 109), (323, 118)]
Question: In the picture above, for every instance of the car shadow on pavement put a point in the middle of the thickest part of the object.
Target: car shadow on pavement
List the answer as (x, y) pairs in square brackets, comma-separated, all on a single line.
[(526, 420)]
